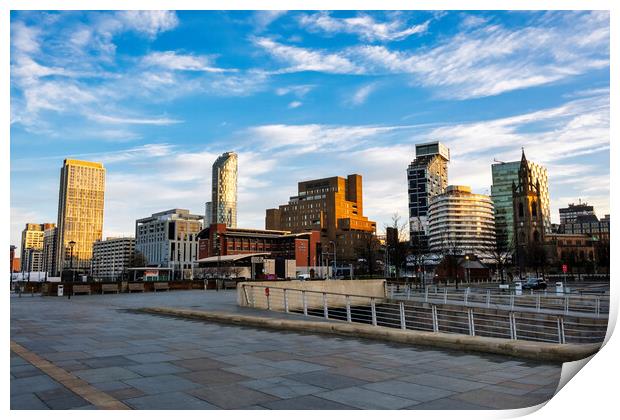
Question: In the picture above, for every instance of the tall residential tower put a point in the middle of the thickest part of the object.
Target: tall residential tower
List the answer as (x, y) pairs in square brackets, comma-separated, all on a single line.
[(427, 177), (80, 213), (223, 205)]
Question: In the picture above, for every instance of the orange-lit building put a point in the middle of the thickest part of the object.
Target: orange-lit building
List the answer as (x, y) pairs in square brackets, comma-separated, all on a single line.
[(217, 239), (334, 207)]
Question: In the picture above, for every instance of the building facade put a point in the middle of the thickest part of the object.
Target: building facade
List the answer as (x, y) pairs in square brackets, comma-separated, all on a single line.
[(80, 213), (332, 206), (223, 205), (504, 175), (427, 176), (573, 211), (50, 239), (32, 246), (111, 257), (219, 240), (461, 222), (169, 238)]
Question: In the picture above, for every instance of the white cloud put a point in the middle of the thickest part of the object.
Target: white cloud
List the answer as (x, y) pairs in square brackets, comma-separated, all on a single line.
[(149, 22), (361, 95), (298, 90), (263, 18), (362, 25), (295, 104), (124, 120), (173, 61), (303, 59)]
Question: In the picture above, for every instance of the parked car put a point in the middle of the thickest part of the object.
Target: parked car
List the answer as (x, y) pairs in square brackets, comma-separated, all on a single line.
[(534, 284)]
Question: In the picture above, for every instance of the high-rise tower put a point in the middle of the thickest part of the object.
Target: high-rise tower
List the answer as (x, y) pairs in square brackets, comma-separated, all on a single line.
[(80, 213), (223, 205), (427, 176)]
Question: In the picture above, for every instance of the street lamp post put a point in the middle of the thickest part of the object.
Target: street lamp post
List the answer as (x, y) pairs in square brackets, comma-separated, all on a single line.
[(71, 246), (467, 268)]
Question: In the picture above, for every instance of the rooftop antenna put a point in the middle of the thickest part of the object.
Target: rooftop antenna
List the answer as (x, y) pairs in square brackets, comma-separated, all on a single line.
[(498, 161)]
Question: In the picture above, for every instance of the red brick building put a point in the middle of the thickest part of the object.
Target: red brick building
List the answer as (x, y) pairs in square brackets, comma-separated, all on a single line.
[(217, 239)]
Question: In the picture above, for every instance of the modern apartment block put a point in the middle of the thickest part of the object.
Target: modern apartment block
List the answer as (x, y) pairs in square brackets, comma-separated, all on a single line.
[(32, 246), (223, 205), (80, 213), (427, 176), (169, 238), (461, 222), (50, 239), (111, 257), (332, 206), (573, 211), (504, 175)]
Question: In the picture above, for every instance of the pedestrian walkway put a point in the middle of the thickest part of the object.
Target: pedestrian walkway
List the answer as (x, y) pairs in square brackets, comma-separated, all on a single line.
[(152, 362)]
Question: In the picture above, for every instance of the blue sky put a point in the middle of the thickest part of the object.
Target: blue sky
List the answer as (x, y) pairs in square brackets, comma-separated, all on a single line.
[(156, 96)]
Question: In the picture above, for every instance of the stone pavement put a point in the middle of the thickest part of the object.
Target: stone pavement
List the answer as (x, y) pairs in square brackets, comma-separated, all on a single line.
[(153, 362)]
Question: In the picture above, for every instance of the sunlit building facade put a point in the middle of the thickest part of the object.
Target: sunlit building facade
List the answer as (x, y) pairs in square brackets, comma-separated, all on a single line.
[(504, 174), (427, 176), (80, 213), (333, 206), (32, 246), (461, 222), (111, 257), (223, 205)]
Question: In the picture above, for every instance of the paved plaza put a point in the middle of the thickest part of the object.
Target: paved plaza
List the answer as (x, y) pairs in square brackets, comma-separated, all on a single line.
[(153, 362)]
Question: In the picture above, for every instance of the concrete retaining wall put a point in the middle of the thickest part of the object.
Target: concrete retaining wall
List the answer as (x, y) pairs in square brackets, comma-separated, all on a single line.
[(253, 294)]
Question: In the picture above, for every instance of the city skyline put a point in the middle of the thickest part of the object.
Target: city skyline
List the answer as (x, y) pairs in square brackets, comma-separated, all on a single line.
[(337, 95)]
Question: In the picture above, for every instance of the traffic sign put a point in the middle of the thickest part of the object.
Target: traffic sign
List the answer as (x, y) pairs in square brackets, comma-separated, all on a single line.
[(564, 268)]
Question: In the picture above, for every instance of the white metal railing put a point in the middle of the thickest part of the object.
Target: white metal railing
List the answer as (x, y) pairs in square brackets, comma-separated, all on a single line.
[(430, 315), (597, 305)]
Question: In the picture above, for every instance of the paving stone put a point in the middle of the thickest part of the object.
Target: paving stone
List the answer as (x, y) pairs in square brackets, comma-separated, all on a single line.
[(27, 402), (33, 384), (106, 374), (326, 379), (409, 390), (155, 369), (126, 393), (109, 361), (282, 387), (169, 401), (213, 377), (152, 357), (443, 382), (366, 399), (298, 366), (257, 371), (200, 364), (65, 403), (447, 404), (365, 374), (161, 384), (23, 371), (231, 397), (275, 356), (110, 386), (306, 402), (499, 400)]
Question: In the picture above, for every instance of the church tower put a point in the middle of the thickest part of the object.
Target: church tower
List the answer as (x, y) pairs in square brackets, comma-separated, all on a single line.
[(529, 228)]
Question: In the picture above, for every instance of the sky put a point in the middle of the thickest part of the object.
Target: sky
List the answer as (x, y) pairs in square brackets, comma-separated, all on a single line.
[(156, 96)]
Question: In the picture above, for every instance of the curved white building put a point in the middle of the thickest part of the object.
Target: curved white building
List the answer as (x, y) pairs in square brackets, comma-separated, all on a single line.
[(223, 205), (461, 222)]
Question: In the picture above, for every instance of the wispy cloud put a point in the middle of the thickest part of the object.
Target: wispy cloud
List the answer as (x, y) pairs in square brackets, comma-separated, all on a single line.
[(294, 104), (363, 25), (361, 95), (124, 120), (173, 61)]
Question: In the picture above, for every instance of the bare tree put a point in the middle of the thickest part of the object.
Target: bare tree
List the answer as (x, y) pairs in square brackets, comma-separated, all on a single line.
[(450, 261), (501, 255), (396, 242)]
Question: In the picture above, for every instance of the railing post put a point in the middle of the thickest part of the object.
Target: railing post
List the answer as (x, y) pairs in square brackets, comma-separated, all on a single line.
[(488, 298), (566, 304), (426, 295), (445, 296), (325, 309), (512, 301), (465, 296), (373, 311), (348, 308), (513, 326), (403, 322), (598, 306), (537, 303), (435, 320), (470, 317), (285, 300), (391, 291), (409, 292), (305, 302), (561, 338), (268, 303)]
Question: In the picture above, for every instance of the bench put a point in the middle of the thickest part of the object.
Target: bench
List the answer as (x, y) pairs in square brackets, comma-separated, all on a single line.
[(136, 287), (161, 286), (81, 288), (109, 288)]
